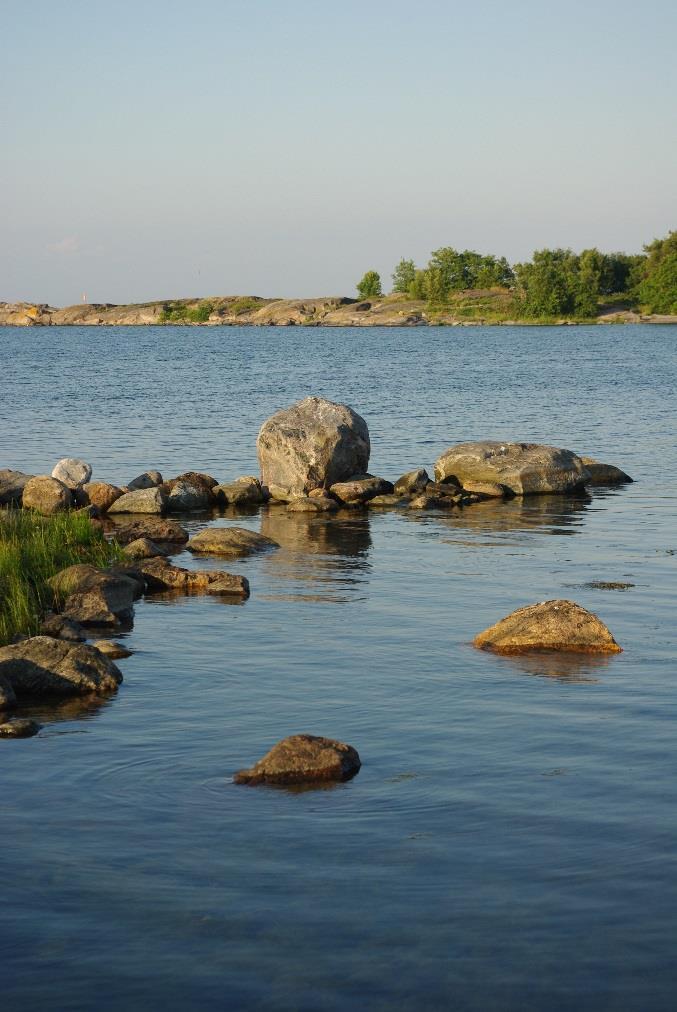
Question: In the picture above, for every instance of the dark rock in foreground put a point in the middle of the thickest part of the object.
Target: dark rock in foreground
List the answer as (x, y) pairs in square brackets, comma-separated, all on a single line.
[(303, 758), (43, 666), (549, 625), (12, 484), (95, 596), (525, 468)]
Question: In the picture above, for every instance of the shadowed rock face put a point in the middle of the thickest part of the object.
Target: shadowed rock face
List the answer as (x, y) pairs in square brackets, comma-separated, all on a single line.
[(7, 695), (313, 444), (605, 474), (46, 495), (230, 541), (94, 596), (42, 666), (550, 625), (303, 758), (12, 484), (524, 468)]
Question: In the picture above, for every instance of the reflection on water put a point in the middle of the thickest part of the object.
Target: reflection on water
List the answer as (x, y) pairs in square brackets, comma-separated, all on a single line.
[(557, 514), (52, 711), (563, 667)]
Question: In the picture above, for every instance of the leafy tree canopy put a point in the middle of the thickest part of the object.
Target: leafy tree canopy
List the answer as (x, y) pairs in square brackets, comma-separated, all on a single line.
[(370, 285)]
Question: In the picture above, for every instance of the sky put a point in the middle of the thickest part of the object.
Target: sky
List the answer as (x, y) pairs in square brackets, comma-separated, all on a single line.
[(163, 149)]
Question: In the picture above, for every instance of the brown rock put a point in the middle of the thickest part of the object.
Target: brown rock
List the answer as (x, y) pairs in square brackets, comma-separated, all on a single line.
[(431, 502), (361, 488), (62, 628), (231, 541), (42, 665), (303, 758), (46, 495), (99, 494), (197, 479), (160, 575), (487, 489), (112, 649), (143, 500), (94, 596), (412, 482), (242, 491), (150, 527), (149, 479), (313, 504), (525, 468), (550, 625), (143, 548), (389, 500)]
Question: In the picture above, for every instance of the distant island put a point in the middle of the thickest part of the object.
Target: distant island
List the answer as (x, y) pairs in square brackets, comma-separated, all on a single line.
[(455, 288)]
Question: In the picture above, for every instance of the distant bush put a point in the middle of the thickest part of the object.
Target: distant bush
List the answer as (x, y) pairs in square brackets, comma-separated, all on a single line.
[(370, 285), (183, 312)]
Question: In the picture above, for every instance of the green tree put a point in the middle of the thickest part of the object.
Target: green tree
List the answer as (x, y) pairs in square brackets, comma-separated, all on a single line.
[(590, 269), (418, 287), (403, 275), (548, 284), (370, 285), (657, 290)]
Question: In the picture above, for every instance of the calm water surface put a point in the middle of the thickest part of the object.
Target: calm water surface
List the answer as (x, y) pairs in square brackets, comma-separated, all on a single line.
[(510, 842)]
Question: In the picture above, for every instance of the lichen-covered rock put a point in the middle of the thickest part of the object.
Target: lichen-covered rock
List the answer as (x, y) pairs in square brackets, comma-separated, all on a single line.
[(412, 482), (143, 548), (605, 474), (231, 541), (43, 666), (525, 468), (12, 484), (241, 492), (303, 758), (361, 488), (160, 575), (19, 727), (549, 625), (149, 479), (143, 500), (153, 528), (72, 472), (313, 504), (314, 443), (46, 495), (100, 494)]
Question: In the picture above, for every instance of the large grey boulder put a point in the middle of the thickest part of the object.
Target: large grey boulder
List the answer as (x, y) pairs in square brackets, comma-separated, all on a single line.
[(46, 495), (312, 444), (303, 758), (558, 625), (143, 500), (72, 472), (43, 666), (12, 484), (524, 468)]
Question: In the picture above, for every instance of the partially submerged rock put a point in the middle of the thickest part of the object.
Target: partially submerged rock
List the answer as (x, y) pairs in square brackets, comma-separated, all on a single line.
[(160, 575), (112, 649), (303, 758), (184, 497), (72, 472), (153, 528), (605, 474), (361, 488), (549, 625), (313, 504), (525, 468), (12, 484), (143, 548), (43, 666), (46, 495), (389, 500), (487, 489), (19, 727), (314, 443), (231, 541), (143, 500), (198, 479), (149, 479)]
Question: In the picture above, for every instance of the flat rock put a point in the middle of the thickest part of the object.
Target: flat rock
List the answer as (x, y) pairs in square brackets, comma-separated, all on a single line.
[(149, 479), (112, 649), (241, 492), (12, 484), (412, 482), (232, 541), (605, 474), (314, 443), (143, 548), (100, 494), (19, 727), (143, 500), (313, 504), (525, 468), (549, 625), (153, 528), (303, 758), (160, 575), (361, 488), (487, 489), (43, 666), (72, 472), (46, 495), (431, 502)]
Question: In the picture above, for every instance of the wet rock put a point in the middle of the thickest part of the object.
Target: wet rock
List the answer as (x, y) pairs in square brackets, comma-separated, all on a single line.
[(152, 528), (95, 597), (143, 548), (46, 495), (19, 727), (184, 497), (72, 472), (62, 628), (160, 575), (303, 758), (605, 474), (314, 443), (243, 491), (525, 468), (99, 494), (361, 488), (112, 649), (231, 541), (412, 482), (144, 500), (7, 696), (487, 489), (549, 625), (389, 500), (149, 479), (313, 504), (43, 666), (12, 484)]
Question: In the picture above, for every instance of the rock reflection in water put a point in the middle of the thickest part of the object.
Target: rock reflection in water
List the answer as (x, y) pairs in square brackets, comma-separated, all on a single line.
[(558, 514), (54, 710), (563, 667), (329, 552)]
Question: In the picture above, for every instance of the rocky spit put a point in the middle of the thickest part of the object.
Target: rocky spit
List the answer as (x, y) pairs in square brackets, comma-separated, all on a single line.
[(313, 458)]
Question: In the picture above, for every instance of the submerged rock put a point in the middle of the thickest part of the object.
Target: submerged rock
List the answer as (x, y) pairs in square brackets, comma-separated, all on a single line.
[(144, 500), (72, 472), (12, 484), (43, 666), (231, 541), (19, 727), (303, 758), (549, 625), (152, 528), (605, 474), (525, 468), (314, 443), (46, 495), (160, 575)]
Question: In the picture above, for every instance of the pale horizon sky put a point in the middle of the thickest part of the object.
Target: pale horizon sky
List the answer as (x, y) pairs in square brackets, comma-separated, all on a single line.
[(162, 149)]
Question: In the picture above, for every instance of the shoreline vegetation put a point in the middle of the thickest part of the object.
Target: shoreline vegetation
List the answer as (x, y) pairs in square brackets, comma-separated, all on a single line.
[(455, 288)]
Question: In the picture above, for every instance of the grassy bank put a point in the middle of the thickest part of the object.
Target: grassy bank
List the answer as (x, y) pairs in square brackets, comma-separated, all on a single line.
[(32, 549)]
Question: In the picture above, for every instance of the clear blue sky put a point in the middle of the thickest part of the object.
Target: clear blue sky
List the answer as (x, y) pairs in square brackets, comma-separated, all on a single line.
[(158, 148)]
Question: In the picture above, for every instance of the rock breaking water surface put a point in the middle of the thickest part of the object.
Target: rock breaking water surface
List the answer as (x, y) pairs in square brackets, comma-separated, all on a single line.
[(509, 842)]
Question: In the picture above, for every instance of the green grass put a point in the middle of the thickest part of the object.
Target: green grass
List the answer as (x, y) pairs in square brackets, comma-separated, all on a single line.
[(243, 305), (34, 548), (183, 312)]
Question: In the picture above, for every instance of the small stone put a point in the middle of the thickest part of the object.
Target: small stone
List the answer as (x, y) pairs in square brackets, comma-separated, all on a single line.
[(19, 727), (149, 479), (160, 575), (112, 649), (487, 489), (549, 625), (389, 500), (143, 548), (431, 502), (303, 758), (72, 472), (231, 541), (605, 474)]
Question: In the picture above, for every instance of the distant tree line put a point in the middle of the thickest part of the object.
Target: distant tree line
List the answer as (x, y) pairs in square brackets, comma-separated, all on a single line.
[(554, 283)]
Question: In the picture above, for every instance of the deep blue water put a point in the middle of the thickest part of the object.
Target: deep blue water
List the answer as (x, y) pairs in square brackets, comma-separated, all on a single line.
[(510, 841)]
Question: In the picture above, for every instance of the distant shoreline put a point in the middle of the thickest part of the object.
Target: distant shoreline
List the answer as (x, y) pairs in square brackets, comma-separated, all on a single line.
[(471, 308)]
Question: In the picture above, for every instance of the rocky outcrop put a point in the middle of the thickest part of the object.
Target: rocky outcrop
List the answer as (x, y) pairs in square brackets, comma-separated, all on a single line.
[(229, 541), (524, 468), (155, 529), (143, 500), (160, 575), (72, 472), (605, 474), (313, 444), (301, 759), (12, 484), (550, 625), (43, 666), (46, 495)]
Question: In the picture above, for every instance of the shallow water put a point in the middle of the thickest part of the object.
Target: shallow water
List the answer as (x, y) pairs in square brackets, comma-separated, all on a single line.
[(509, 842)]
